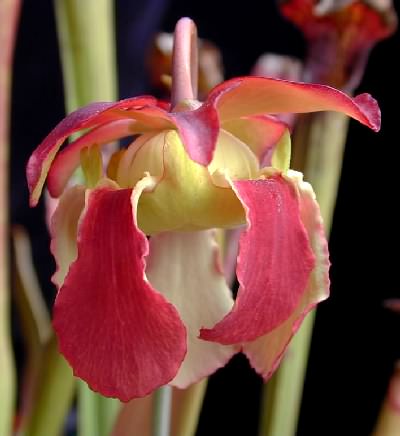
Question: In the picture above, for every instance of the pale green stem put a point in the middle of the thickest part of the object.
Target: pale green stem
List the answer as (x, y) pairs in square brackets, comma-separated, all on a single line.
[(96, 413), (87, 43), (34, 320), (53, 395), (9, 13), (88, 413), (186, 408), (281, 400), (162, 411), (319, 146)]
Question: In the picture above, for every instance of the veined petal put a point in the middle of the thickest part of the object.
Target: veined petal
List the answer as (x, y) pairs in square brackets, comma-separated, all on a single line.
[(246, 96), (64, 229), (68, 159), (185, 268), (88, 116), (274, 262), (266, 352), (119, 334), (259, 132)]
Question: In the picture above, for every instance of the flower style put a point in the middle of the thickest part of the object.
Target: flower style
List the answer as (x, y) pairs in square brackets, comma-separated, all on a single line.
[(133, 313)]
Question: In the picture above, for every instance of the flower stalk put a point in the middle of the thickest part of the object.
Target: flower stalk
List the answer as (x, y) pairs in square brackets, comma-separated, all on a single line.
[(162, 411), (87, 46), (9, 13)]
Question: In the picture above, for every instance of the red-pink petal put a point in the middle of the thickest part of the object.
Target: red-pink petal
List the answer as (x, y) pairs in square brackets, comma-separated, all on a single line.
[(91, 115), (68, 159), (259, 132), (274, 262), (265, 353), (119, 334), (199, 131), (246, 96)]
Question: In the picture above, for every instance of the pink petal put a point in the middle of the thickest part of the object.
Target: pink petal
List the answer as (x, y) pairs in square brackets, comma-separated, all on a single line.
[(246, 96), (274, 262), (260, 133), (91, 115), (185, 268), (68, 159), (266, 352), (119, 334), (199, 132)]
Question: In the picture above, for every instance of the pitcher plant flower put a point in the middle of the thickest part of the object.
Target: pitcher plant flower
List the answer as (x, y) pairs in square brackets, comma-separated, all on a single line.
[(142, 299), (340, 35)]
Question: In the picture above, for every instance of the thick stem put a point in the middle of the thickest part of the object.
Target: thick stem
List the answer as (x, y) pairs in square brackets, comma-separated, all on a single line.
[(184, 62)]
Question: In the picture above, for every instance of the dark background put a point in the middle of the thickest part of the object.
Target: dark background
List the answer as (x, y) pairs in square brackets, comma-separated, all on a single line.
[(356, 341)]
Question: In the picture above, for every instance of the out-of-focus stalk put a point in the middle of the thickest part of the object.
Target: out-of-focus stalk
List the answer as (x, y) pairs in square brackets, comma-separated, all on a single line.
[(340, 36), (389, 418), (320, 140), (87, 44), (162, 404), (87, 47), (34, 321), (9, 13), (53, 395), (134, 418), (186, 408)]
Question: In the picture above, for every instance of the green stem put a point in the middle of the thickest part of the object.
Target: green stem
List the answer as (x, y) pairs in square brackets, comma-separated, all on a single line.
[(319, 146), (53, 396), (34, 320), (9, 14), (87, 43), (186, 408), (162, 411)]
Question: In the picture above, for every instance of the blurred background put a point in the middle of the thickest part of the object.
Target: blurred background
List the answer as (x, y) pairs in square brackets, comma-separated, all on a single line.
[(356, 340)]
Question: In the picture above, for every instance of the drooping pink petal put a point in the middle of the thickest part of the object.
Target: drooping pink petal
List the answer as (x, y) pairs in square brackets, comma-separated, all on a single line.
[(259, 132), (274, 263), (119, 334), (88, 116), (68, 159), (246, 96), (266, 352), (185, 268), (64, 229)]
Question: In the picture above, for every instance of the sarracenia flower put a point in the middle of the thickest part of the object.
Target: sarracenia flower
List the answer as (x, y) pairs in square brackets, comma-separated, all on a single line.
[(132, 312)]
